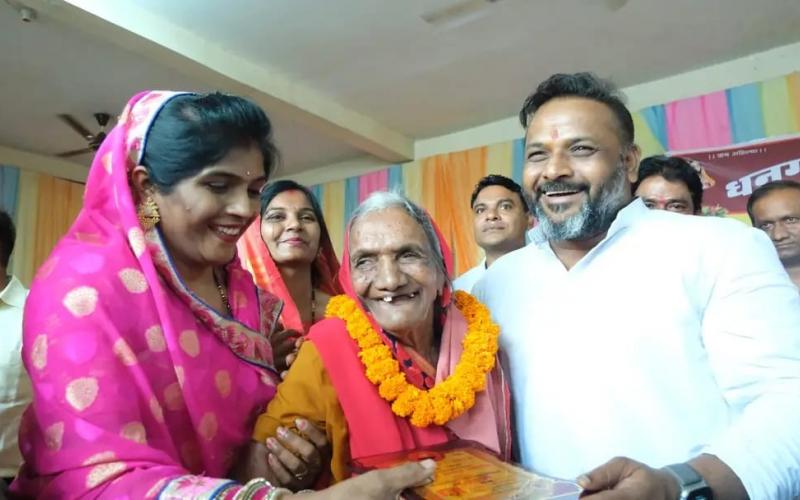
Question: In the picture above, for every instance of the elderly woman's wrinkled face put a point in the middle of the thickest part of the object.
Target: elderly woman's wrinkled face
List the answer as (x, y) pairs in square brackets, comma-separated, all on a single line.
[(394, 270)]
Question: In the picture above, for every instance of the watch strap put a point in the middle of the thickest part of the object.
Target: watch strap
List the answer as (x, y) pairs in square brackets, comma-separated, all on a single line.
[(692, 484)]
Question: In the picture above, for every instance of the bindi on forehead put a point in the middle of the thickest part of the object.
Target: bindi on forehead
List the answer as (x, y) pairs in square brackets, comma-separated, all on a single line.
[(554, 133)]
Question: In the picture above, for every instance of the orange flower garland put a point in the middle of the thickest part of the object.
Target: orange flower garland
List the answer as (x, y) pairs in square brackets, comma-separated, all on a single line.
[(448, 399)]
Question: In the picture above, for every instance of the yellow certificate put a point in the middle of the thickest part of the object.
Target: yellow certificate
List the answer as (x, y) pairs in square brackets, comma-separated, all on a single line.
[(465, 469)]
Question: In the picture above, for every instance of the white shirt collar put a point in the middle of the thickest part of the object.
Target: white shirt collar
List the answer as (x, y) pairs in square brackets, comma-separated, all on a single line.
[(14, 293)]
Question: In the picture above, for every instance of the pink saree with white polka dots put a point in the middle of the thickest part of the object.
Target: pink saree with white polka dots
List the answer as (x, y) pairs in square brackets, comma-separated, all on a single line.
[(140, 389)]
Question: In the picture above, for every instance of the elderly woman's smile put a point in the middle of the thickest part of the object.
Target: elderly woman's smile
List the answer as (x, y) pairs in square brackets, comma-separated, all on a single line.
[(392, 299)]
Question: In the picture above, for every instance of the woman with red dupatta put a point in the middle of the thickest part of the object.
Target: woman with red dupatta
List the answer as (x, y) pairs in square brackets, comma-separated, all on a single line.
[(399, 362), (290, 254)]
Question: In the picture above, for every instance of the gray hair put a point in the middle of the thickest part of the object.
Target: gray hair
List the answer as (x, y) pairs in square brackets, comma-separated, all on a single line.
[(384, 200)]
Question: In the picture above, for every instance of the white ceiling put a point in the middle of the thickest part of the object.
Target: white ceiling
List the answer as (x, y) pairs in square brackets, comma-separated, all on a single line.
[(380, 58), (48, 69), (375, 57)]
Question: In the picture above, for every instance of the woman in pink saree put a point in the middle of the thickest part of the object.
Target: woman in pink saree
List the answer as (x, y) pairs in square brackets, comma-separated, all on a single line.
[(146, 341)]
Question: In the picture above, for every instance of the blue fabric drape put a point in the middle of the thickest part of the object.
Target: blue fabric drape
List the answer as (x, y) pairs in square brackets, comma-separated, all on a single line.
[(518, 158), (9, 189), (746, 115), (396, 179), (350, 197), (656, 119), (317, 190)]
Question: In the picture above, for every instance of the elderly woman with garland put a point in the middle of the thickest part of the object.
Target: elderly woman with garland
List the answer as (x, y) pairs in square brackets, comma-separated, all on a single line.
[(400, 362)]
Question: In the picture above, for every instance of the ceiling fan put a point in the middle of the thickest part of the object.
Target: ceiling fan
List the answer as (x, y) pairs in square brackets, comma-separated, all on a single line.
[(93, 139), (458, 13), (465, 11)]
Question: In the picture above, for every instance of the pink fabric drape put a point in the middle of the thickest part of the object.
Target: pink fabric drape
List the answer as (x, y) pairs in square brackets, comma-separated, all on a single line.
[(137, 383), (698, 122), (371, 182)]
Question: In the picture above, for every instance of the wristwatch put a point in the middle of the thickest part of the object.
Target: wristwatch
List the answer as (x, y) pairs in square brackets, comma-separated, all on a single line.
[(692, 484)]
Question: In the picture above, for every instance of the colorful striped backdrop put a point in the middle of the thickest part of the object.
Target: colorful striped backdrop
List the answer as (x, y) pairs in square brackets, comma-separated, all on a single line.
[(443, 183), (44, 207)]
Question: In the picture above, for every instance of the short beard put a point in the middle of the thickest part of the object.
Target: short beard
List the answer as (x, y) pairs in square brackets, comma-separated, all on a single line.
[(791, 262), (595, 215)]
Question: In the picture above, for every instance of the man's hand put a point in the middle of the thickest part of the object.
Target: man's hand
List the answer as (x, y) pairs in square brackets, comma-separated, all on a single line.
[(622, 479)]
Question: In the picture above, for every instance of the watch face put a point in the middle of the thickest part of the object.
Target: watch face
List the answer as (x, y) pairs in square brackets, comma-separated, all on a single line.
[(701, 493)]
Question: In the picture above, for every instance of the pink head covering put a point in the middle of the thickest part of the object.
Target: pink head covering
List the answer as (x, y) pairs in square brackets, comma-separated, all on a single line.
[(138, 384)]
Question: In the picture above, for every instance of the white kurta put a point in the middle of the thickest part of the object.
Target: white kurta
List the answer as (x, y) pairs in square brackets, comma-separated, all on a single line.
[(676, 335), (15, 385), (467, 280)]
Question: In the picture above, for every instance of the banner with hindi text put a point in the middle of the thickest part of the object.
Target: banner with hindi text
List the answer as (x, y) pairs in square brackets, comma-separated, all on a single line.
[(730, 174)]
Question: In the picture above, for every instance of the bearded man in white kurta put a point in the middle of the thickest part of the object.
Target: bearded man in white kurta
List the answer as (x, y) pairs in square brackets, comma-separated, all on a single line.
[(668, 339)]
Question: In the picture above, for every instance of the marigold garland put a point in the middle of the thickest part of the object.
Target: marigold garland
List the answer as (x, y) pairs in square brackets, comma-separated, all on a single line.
[(448, 399)]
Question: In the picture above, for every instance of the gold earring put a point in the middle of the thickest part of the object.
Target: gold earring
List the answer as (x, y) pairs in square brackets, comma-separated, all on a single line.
[(148, 214)]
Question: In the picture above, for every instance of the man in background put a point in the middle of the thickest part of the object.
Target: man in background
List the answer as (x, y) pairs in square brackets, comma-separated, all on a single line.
[(775, 209), (669, 183), (501, 216), (15, 386)]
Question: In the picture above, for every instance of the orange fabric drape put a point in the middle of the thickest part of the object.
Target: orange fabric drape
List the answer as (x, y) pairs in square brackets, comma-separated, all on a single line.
[(448, 181), (58, 204)]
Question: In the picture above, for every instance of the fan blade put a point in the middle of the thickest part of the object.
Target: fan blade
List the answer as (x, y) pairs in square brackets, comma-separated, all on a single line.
[(458, 13), (77, 126), (75, 152), (97, 141)]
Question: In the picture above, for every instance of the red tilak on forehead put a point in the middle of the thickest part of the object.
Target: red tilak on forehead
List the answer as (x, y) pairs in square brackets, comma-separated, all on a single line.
[(554, 133)]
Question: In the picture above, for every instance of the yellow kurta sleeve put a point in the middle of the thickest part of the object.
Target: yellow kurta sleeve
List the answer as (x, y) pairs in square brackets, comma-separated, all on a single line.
[(307, 392)]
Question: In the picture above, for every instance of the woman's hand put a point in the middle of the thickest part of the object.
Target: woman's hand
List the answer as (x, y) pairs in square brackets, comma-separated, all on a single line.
[(252, 463), (296, 461), (285, 344), (288, 461), (386, 484)]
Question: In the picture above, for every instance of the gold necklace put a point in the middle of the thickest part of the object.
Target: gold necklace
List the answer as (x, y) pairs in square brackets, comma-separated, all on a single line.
[(223, 295)]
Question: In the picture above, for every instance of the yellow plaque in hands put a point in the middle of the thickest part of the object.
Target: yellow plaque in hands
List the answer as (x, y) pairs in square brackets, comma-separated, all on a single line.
[(465, 469)]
